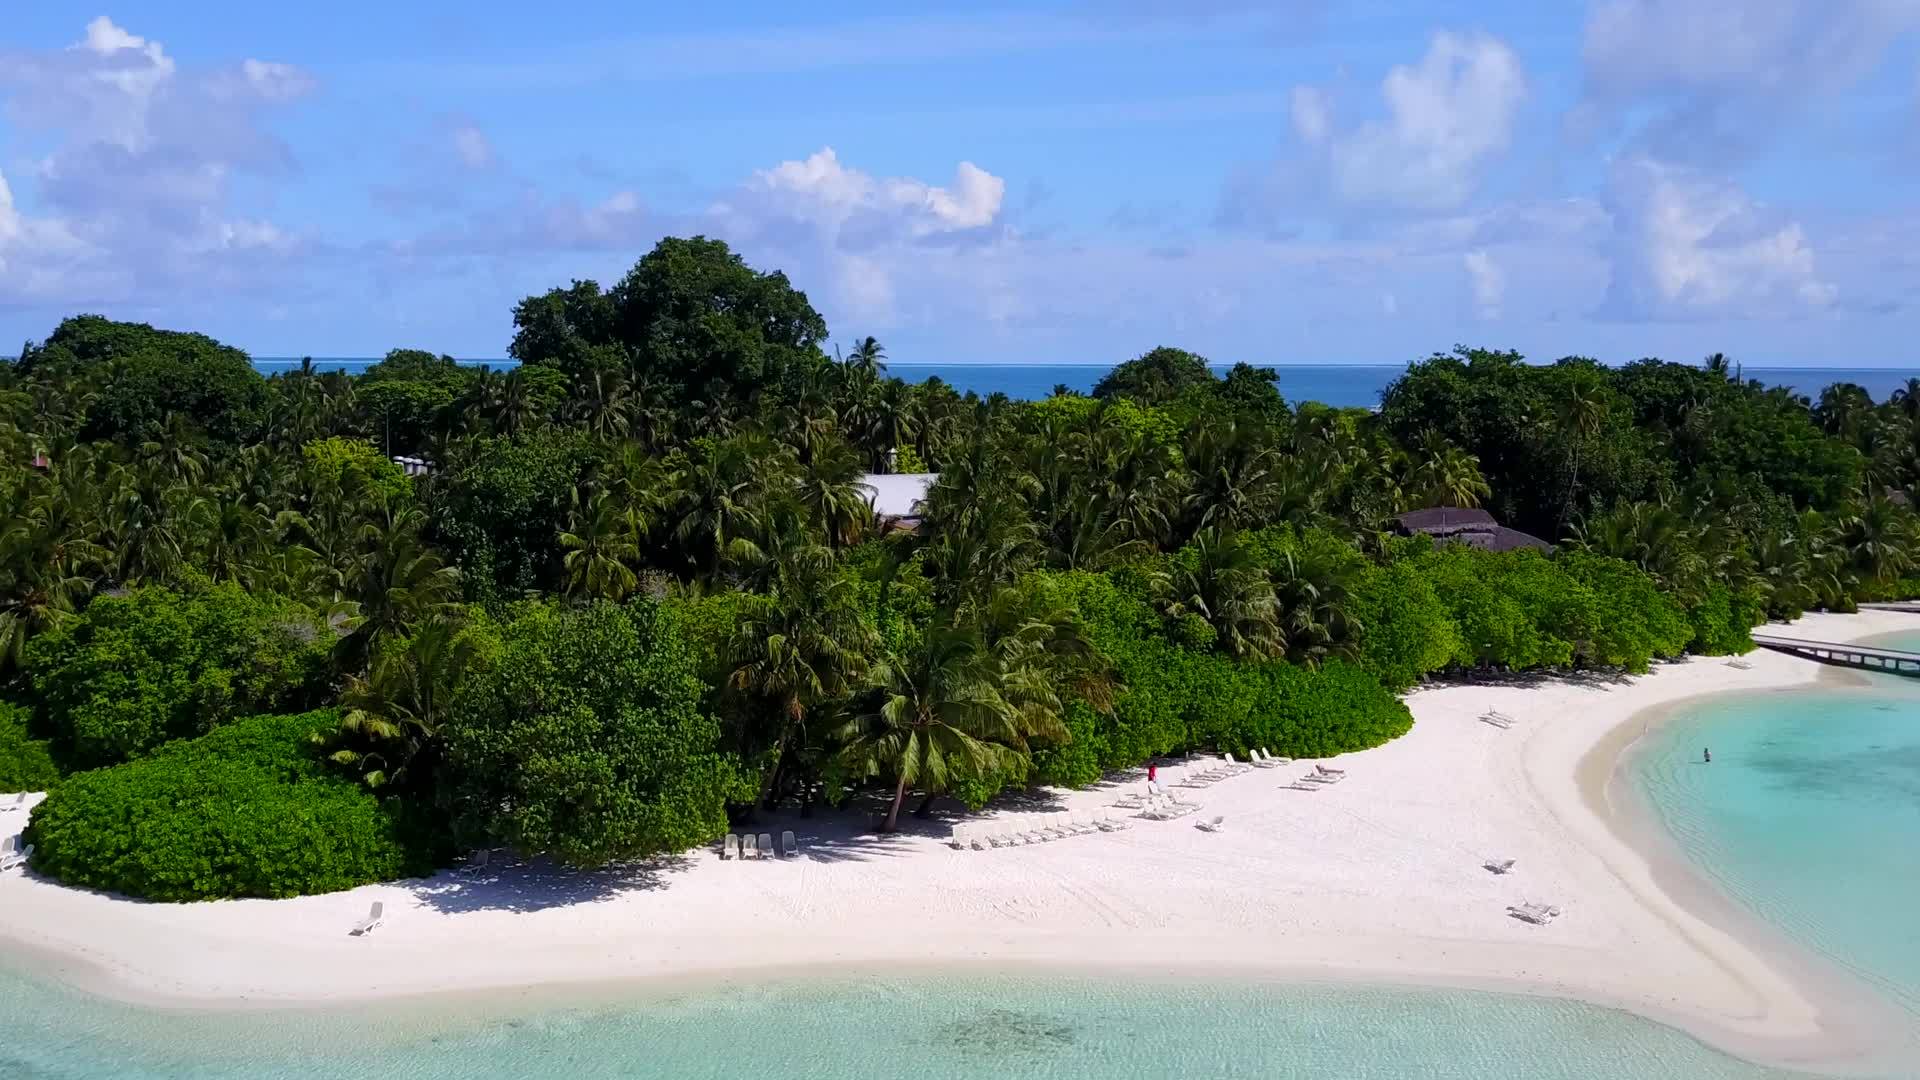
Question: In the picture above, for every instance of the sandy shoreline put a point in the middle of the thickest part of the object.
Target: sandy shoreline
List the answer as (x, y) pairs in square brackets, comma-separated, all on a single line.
[(1375, 880)]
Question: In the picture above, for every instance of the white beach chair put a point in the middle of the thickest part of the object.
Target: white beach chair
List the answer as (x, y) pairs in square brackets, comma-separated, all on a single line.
[(789, 847), (730, 847), (1130, 802), (978, 836), (956, 839), (1322, 779), (1324, 771), (19, 803), (1739, 664), (766, 846), (375, 915), (1500, 722), (1302, 785), (16, 858), (8, 846), (1499, 866), (1264, 760), (747, 850), (1109, 823), (1235, 765), (997, 836), (1498, 715), (1538, 914), (1215, 824)]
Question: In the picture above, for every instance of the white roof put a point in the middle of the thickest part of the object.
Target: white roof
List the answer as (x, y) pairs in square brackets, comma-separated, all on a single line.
[(898, 494)]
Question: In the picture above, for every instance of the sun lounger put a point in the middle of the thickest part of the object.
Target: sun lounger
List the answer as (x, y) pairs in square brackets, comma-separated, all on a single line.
[(789, 847), (1264, 760), (766, 846), (365, 926), (8, 846), (1498, 715), (1324, 771), (747, 849), (1215, 824), (1538, 914), (18, 802), (16, 858), (730, 847), (1302, 785), (1235, 765), (1323, 778), (1497, 721), (1499, 866), (1130, 802), (999, 837), (1742, 665)]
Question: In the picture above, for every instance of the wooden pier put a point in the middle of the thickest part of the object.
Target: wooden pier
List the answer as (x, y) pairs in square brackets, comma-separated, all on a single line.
[(1892, 661)]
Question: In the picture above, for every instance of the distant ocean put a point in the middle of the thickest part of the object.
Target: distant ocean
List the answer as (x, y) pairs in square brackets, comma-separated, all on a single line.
[(1341, 385)]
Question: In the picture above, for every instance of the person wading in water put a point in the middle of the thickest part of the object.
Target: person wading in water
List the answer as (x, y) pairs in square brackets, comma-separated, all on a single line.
[(1706, 754)]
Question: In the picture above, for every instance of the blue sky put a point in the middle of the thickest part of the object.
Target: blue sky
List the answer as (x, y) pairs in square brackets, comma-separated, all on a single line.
[(1290, 181)]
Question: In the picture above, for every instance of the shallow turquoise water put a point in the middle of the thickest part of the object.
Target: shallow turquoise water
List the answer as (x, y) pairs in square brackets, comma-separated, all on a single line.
[(1063, 1029), (1809, 815)]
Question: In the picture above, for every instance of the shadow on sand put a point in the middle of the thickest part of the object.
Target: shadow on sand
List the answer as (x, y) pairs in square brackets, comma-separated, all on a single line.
[(538, 885)]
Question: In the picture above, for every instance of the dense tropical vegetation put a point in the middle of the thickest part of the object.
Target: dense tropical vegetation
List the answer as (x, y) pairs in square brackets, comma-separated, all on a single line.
[(640, 591)]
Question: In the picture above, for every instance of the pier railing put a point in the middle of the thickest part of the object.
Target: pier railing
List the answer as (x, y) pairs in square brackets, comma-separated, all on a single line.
[(1893, 661)]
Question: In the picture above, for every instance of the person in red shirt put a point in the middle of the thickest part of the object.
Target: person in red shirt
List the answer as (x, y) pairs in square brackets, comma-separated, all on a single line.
[(1153, 772)]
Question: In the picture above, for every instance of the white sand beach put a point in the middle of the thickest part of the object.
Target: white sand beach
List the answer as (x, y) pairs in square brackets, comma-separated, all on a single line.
[(1377, 878)]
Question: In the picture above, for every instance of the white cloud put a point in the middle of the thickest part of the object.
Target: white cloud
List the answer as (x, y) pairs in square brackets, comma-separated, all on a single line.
[(824, 191), (1688, 246), (472, 147), (1489, 283), (1448, 118), (135, 194), (1700, 79), (860, 231)]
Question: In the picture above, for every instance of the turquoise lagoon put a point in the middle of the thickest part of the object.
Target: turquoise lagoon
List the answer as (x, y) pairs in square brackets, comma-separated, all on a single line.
[(1809, 817)]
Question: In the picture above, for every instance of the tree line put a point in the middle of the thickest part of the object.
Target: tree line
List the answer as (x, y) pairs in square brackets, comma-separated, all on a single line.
[(640, 592)]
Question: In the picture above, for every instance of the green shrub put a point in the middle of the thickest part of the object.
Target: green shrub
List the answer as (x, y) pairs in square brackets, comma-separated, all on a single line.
[(135, 671), (247, 810), (26, 763), (587, 739)]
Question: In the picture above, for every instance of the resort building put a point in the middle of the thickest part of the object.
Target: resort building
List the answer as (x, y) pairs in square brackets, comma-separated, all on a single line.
[(1474, 528)]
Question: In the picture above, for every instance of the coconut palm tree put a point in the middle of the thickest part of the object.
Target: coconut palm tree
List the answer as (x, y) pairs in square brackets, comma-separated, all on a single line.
[(837, 502), (390, 730), (602, 545), (868, 359), (803, 645), (941, 711), (400, 581), (1445, 475), (1221, 584)]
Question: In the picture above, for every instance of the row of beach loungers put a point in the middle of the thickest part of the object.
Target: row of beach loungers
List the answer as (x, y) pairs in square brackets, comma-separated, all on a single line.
[(745, 846), (1032, 829), (12, 854), (18, 802)]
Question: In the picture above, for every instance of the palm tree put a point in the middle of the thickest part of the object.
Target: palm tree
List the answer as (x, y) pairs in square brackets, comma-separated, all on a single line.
[(941, 711), (1877, 539), (602, 547), (803, 645), (390, 730), (400, 581), (1445, 475), (1221, 585), (868, 358), (1314, 598), (1907, 399), (836, 501), (1581, 412)]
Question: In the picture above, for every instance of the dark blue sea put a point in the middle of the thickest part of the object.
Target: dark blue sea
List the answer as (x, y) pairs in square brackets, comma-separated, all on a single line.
[(1334, 384)]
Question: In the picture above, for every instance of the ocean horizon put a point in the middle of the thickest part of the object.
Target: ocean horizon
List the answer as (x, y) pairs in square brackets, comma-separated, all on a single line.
[(1340, 385)]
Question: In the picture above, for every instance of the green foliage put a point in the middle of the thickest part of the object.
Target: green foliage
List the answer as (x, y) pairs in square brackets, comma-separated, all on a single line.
[(135, 671), (498, 508), (151, 379), (1410, 632), (26, 763), (354, 465), (1156, 377), (586, 739), (247, 810)]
